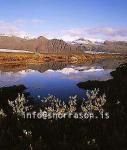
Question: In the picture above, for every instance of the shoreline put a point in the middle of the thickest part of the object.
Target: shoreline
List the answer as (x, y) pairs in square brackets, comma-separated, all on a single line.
[(30, 58)]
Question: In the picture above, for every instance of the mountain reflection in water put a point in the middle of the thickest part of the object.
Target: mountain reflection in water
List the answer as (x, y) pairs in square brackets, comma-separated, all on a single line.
[(57, 78)]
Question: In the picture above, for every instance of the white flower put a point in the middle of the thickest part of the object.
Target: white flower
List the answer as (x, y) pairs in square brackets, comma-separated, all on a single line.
[(2, 114)]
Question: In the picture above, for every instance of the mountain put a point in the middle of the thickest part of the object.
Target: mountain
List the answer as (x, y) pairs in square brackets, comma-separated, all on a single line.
[(87, 41), (40, 44), (82, 41), (114, 46), (44, 45), (101, 46)]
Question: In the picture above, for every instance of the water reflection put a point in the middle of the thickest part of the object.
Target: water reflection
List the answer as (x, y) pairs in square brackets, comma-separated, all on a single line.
[(57, 78)]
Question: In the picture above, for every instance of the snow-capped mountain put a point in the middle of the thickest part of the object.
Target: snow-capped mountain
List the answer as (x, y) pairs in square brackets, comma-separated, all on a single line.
[(83, 41)]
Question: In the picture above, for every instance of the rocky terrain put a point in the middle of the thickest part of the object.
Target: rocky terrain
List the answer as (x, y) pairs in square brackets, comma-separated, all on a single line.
[(44, 45), (106, 46), (41, 44)]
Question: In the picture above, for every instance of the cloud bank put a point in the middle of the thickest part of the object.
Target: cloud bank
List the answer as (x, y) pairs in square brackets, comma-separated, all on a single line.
[(97, 33), (7, 28), (16, 28)]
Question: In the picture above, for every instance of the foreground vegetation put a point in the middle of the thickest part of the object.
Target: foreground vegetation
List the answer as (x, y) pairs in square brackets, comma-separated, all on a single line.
[(36, 133), (71, 134)]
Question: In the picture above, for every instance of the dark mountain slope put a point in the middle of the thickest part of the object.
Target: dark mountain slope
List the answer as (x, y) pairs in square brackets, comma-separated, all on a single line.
[(40, 44)]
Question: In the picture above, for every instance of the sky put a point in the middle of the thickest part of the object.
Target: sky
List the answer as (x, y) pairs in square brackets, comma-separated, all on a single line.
[(65, 19)]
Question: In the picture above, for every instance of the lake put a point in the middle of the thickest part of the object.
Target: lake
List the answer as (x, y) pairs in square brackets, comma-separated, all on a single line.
[(56, 78)]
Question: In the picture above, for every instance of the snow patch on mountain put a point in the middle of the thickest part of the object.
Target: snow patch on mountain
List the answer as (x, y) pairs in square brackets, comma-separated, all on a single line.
[(90, 41)]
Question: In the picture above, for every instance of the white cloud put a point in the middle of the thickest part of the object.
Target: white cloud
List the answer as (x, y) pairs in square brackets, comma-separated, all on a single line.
[(17, 27), (11, 29), (69, 37), (99, 33)]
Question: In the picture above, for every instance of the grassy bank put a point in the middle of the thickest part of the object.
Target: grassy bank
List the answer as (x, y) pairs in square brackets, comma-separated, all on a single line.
[(40, 58)]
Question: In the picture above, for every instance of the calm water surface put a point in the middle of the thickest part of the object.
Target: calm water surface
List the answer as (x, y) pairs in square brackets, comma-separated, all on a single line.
[(57, 78)]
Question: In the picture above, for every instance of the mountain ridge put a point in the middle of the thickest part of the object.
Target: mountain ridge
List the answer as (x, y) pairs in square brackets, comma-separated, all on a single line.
[(44, 45), (40, 44)]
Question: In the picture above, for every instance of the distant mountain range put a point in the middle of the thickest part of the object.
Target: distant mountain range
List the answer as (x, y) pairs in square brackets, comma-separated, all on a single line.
[(102, 46), (40, 44), (44, 45), (87, 41)]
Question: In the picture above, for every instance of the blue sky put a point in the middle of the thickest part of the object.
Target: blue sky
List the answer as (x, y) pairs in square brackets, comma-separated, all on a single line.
[(66, 19)]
